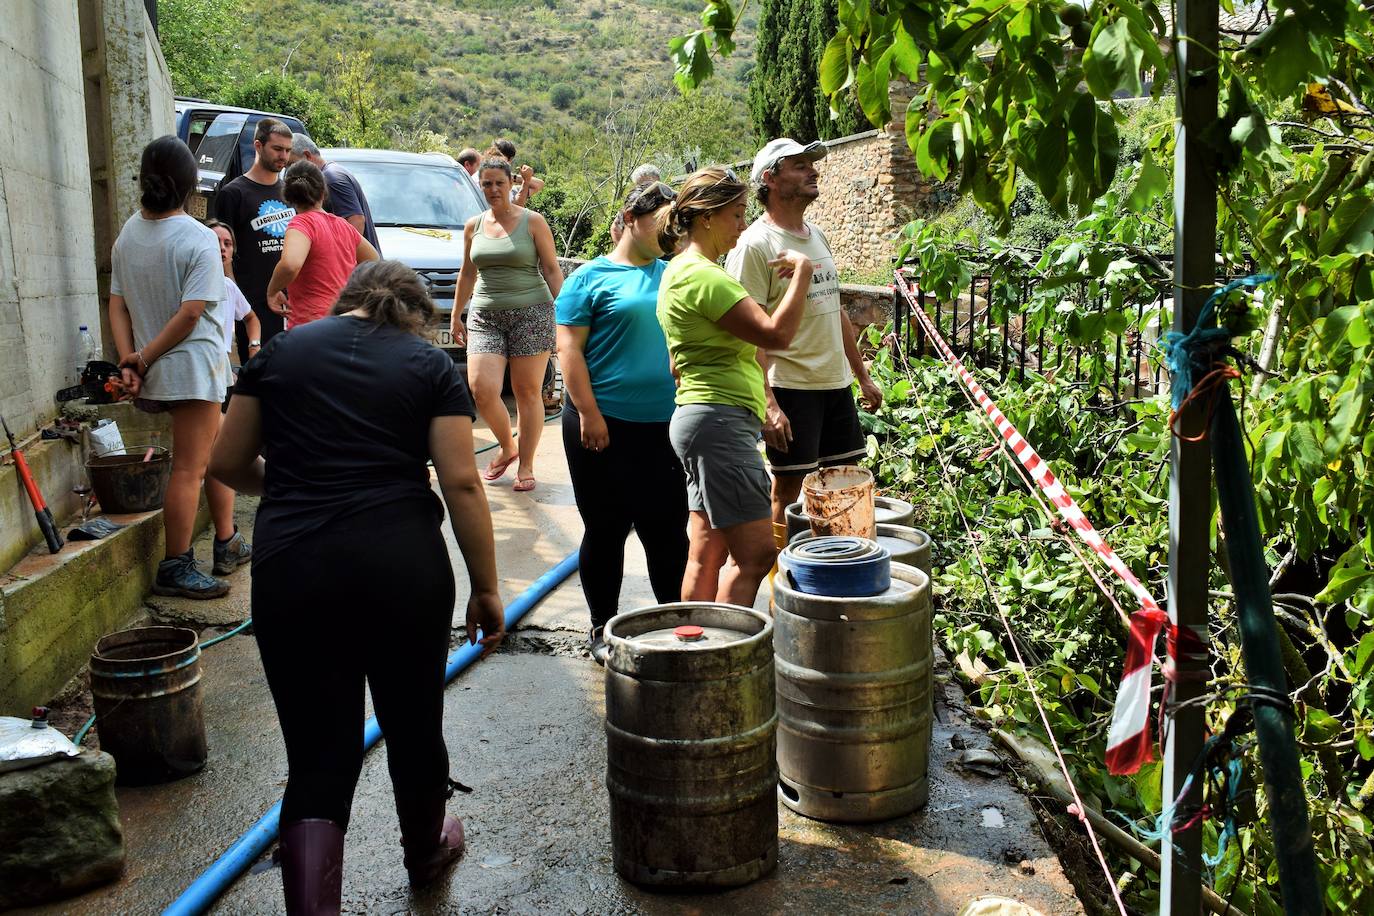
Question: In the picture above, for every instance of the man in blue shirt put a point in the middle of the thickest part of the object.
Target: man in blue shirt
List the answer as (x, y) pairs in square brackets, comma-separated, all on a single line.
[(346, 198)]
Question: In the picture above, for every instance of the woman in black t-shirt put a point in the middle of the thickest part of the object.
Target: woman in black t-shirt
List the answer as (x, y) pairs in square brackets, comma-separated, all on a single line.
[(345, 412)]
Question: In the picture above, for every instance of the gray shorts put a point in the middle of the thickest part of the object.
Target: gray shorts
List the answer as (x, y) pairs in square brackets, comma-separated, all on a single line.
[(524, 331), (718, 447)]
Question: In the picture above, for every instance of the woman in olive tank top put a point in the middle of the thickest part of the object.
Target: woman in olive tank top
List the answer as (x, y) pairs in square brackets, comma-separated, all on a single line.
[(509, 280)]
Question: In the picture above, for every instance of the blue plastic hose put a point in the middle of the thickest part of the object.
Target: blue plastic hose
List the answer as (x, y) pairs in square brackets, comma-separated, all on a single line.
[(223, 636), (227, 868), (837, 567)]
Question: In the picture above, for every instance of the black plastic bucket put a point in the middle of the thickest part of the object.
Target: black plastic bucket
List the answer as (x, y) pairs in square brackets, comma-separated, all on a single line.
[(148, 711), (124, 482)]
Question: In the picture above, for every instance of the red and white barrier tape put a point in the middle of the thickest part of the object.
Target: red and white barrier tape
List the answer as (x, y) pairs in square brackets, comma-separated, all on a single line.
[(1129, 745)]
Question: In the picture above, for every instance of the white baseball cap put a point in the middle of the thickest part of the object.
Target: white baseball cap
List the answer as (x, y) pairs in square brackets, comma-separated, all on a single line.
[(781, 148)]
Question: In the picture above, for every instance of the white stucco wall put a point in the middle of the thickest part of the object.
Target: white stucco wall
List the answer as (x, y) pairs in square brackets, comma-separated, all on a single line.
[(47, 268)]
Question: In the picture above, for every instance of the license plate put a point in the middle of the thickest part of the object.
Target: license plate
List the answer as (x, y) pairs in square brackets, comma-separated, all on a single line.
[(196, 206), (442, 338)]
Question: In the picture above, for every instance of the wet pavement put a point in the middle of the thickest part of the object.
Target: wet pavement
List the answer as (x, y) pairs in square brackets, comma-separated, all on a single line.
[(524, 729)]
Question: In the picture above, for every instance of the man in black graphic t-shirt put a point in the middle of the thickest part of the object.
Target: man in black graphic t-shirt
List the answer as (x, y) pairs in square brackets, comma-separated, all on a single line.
[(253, 206)]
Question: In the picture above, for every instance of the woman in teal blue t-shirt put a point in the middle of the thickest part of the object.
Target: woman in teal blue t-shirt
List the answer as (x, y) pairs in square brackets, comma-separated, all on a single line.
[(615, 419)]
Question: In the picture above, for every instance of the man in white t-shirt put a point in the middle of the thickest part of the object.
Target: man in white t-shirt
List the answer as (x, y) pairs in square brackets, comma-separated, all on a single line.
[(811, 419)]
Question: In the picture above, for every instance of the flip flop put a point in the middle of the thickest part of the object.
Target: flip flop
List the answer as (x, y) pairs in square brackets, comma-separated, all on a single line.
[(496, 470), (524, 484)]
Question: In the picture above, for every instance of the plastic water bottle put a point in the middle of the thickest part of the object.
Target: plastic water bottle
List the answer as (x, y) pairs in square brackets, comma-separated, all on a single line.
[(86, 350)]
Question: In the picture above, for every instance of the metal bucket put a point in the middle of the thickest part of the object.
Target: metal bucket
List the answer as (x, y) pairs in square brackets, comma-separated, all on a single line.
[(886, 511), (124, 482), (148, 712), (910, 546), (854, 700), (691, 745), (839, 500)]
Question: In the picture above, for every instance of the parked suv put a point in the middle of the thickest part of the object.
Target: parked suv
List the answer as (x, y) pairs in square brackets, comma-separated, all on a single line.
[(420, 203), (221, 137)]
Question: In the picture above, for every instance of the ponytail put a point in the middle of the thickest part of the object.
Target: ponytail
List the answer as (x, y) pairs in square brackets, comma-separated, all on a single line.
[(703, 192), (167, 174), (390, 293)]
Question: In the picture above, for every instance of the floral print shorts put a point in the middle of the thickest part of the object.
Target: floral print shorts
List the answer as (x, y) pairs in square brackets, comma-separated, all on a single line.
[(524, 331)]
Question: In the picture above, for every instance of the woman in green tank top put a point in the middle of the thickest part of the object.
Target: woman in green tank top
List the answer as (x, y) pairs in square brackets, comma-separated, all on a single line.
[(509, 280)]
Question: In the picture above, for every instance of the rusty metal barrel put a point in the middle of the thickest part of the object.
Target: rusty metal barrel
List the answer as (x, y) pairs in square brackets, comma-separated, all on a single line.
[(886, 511), (148, 712), (910, 546), (691, 763), (854, 687)]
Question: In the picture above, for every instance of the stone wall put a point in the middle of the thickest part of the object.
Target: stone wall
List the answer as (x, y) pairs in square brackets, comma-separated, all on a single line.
[(870, 189), (47, 271), (859, 209)]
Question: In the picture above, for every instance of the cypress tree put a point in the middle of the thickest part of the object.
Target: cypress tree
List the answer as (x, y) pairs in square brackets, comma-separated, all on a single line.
[(785, 98)]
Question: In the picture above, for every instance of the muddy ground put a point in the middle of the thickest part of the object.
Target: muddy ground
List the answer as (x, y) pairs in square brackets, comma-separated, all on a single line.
[(524, 729)]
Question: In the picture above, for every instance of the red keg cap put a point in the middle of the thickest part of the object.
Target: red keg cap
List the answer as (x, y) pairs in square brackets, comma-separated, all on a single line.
[(689, 632)]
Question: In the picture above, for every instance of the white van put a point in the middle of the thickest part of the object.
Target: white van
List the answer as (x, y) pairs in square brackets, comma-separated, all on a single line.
[(420, 203)]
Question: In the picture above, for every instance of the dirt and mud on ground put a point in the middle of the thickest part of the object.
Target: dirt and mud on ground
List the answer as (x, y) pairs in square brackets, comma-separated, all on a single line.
[(524, 729)]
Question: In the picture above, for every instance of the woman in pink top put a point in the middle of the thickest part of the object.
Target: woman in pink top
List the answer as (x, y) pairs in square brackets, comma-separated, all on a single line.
[(319, 253)]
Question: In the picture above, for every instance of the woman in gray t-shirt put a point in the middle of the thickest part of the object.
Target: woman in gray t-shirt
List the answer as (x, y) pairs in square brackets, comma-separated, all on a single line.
[(166, 312)]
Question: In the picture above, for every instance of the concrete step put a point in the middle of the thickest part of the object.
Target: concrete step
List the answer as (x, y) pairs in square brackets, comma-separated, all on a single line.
[(53, 607)]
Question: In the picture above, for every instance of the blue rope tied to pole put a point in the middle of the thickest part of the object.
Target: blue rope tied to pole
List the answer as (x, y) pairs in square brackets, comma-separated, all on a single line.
[(1219, 766), (1293, 850), (1190, 356)]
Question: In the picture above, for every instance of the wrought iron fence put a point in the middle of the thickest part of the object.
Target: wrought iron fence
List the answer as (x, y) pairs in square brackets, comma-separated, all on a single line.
[(990, 326)]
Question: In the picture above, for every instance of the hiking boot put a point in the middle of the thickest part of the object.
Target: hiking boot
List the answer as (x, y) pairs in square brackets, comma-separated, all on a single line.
[(180, 576), (596, 642), (231, 554)]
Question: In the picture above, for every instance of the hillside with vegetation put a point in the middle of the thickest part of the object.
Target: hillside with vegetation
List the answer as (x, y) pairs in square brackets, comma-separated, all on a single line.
[(584, 90)]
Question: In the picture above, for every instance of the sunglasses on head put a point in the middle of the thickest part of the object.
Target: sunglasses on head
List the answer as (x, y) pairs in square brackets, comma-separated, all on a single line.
[(728, 176), (652, 196)]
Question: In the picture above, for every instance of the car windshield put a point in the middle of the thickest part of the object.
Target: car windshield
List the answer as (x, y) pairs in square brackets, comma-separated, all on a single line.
[(420, 196)]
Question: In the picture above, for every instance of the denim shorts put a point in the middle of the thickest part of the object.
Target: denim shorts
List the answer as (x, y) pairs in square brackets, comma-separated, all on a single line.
[(524, 331), (718, 447)]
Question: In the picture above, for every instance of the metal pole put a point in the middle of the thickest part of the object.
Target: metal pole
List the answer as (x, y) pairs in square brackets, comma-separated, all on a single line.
[(897, 301), (1190, 472)]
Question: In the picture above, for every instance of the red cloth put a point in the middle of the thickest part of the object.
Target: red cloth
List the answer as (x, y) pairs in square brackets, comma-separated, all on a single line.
[(333, 255)]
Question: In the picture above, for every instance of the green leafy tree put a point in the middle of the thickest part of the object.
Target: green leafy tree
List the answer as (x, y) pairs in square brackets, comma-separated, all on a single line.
[(283, 95), (198, 43), (355, 92), (562, 96), (785, 98)]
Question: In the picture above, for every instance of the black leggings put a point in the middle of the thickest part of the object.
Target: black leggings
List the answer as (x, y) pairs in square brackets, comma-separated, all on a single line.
[(637, 482), (367, 598)]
